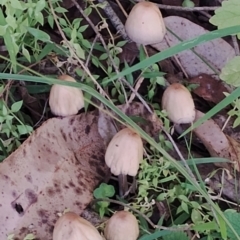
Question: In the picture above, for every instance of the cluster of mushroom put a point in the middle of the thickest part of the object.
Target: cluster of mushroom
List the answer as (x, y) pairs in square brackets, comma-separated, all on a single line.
[(120, 226)]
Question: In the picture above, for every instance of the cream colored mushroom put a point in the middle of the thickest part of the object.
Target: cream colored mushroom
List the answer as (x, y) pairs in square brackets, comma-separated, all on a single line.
[(145, 24), (64, 100), (72, 227), (121, 226), (123, 155), (178, 103)]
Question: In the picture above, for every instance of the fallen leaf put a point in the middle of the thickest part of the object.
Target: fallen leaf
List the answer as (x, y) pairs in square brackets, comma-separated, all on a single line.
[(57, 167), (216, 52), (209, 88), (217, 143)]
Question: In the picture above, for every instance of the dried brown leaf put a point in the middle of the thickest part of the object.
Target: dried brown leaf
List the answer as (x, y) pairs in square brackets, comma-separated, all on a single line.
[(56, 168), (209, 88)]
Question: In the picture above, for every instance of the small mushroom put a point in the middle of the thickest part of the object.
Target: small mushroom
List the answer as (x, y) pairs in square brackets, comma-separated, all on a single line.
[(178, 103), (121, 226), (123, 156), (70, 226), (145, 24), (65, 100)]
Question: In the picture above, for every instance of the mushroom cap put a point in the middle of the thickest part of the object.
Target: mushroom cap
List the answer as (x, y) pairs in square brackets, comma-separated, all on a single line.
[(70, 226), (64, 100), (121, 226), (124, 153), (145, 24), (178, 103)]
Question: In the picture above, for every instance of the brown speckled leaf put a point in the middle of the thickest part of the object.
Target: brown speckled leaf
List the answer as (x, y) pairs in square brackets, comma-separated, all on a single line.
[(56, 168)]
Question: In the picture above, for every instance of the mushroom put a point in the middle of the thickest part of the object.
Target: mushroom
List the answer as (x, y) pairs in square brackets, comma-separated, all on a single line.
[(121, 226), (70, 226), (145, 24), (178, 103), (123, 156), (65, 100)]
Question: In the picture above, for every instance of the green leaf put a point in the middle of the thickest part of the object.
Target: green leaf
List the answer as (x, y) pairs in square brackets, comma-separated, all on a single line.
[(16, 106), (183, 198), (11, 21), (196, 216), (184, 207), (121, 43), (39, 17), (188, 3), (228, 15), (231, 71), (202, 227), (24, 129), (79, 51), (76, 22), (50, 20), (3, 30), (86, 43), (60, 10), (63, 22), (4, 110), (104, 56), (40, 5), (104, 191), (26, 53), (82, 28), (39, 34), (16, 4), (234, 218)]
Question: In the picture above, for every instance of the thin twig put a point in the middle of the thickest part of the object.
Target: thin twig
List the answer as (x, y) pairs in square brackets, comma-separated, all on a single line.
[(183, 228), (235, 45), (122, 9)]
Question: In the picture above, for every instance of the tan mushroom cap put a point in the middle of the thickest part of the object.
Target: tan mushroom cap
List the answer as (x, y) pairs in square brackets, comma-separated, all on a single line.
[(122, 225), (65, 101), (70, 226), (124, 153), (145, 24), (178, 103)]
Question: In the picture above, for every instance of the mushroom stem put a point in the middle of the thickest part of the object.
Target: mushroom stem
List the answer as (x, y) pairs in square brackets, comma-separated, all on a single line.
[(123, 185)]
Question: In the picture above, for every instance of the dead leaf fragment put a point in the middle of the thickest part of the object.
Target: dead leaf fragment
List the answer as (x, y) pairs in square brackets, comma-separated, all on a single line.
[(209, 88)]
